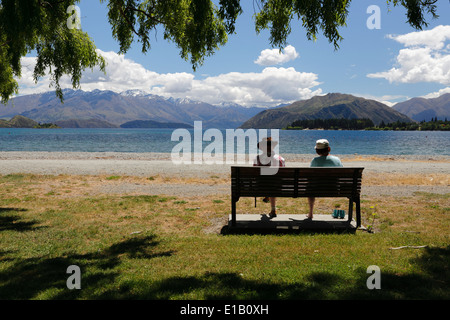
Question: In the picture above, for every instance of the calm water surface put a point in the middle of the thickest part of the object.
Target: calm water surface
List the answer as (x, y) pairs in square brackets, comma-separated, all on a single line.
[(159, 140)]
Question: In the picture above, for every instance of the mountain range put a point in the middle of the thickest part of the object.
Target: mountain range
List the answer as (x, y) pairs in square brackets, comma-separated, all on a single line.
[(420, 109), (108, 109), (114, 109), (330, 106)]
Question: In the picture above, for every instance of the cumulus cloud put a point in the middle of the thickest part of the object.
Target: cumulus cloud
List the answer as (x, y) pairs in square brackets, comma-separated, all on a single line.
[(271, 57), (434, 38), (387, 99), (426, 58), (437, 93), (270, 87), (121, 74)]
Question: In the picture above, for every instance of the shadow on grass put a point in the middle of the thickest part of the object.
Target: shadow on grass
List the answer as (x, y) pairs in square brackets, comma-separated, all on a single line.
[(226, 230), (26, 278), (232, 286), (434, 281), (9, 220), (104, 276), (431, 283)]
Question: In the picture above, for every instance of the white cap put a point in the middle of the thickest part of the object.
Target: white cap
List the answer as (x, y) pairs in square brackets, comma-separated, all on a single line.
[(322, 144)]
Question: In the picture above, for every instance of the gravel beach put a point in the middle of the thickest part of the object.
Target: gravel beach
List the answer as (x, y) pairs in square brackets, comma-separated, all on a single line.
[(153, 164)]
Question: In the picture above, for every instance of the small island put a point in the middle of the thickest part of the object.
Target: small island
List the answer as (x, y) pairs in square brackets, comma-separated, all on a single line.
[(24, 122)]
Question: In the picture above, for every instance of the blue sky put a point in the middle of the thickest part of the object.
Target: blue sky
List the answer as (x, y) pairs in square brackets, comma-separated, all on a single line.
[(390, 64)]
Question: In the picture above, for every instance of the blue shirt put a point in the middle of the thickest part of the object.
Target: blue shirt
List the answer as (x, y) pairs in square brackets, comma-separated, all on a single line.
[(326, 161)]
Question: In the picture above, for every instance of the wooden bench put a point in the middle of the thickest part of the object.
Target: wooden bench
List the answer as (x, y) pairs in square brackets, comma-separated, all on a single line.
[(296, 183)]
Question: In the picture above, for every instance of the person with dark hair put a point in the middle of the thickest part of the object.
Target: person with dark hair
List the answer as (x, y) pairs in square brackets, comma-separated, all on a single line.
[(269, 158), (323, 160)]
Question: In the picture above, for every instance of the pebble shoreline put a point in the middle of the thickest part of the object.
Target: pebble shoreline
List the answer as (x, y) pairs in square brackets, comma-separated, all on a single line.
[(150, 164), (42, 155), (154, 164)]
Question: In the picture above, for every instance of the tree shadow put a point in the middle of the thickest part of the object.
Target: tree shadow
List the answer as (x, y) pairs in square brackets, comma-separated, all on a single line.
[(101, 271), (9, 220), (26, 278), (431, 283)]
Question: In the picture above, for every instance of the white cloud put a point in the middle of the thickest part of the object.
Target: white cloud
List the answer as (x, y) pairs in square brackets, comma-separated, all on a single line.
[(121, 74), (434, 38), (271, 57), (388, 100), (437, 94), (26, 81), (426, 58), (270, 87)]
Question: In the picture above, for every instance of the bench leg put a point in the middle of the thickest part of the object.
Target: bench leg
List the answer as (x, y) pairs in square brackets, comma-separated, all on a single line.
[(350, 210), (233, 212), (358, 213)]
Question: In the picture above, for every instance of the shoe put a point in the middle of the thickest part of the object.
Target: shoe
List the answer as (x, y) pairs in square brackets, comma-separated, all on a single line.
[(335, 213), (272, 215), (338, 214), (266, 199)]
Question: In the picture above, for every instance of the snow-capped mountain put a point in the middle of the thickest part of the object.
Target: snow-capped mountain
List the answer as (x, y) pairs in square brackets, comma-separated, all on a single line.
[(118, 108)]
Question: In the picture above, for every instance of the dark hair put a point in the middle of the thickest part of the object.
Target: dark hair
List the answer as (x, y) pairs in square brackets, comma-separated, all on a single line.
[(268, 143), (324, 151)]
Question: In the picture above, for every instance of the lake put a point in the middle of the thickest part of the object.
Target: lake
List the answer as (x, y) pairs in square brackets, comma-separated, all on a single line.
[(159, 140)]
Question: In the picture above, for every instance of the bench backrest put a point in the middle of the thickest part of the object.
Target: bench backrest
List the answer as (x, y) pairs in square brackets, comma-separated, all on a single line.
[(296, 182)]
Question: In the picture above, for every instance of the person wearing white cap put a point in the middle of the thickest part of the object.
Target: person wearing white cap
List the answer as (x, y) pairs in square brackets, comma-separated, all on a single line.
[(323, 160), (269, 158)]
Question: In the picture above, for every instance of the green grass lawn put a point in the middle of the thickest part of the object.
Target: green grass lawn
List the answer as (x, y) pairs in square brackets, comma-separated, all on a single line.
[(162, 247)]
